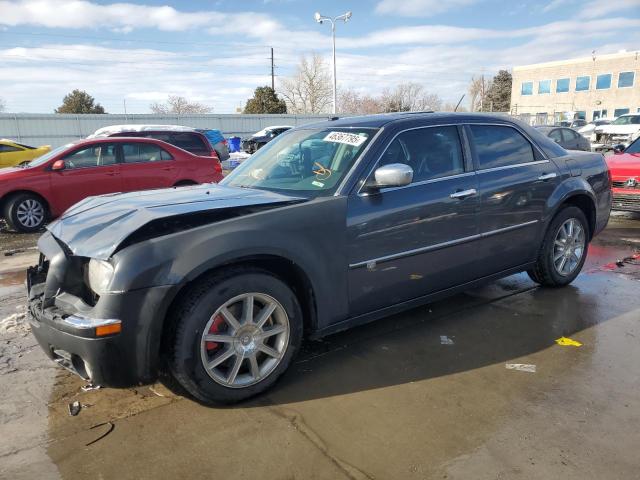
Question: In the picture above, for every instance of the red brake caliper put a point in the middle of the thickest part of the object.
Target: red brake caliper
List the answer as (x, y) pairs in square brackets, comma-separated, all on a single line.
[(216, 327)]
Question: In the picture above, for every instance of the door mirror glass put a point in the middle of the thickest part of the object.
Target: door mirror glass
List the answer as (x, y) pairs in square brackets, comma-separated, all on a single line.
[(393, 175), (58, 165), (618, 148)]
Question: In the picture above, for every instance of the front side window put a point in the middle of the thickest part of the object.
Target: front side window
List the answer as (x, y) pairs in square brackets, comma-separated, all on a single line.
[(562, 85), (143, 152), (569, 134), (432, 152), (498, 146), (527, 88), (544, 86), (625, 79), (603, 81), (555, 135), (93, 156), (582, 83), (9, 149), (307, 162)]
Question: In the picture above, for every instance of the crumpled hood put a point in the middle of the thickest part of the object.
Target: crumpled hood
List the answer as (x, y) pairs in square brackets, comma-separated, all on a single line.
[(618, 129), (96, 226)]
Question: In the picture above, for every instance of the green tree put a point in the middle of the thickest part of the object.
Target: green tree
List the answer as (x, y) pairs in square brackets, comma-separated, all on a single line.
[(79, 101), (265, 100), (499, 95)]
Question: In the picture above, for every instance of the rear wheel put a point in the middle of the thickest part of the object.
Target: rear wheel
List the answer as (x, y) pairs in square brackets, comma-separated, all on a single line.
[(25, 212), (235, 333), (564, 249)]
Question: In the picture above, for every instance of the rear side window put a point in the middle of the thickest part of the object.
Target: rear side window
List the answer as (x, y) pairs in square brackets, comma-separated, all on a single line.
[(143, 152), (190, 142), (433, 152), (555, 135), (498, 146), (569, 134)]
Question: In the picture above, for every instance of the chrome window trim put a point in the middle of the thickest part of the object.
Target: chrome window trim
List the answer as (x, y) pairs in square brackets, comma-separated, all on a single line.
[(354, 167), (375, 164), (437, 246), (509, 167)]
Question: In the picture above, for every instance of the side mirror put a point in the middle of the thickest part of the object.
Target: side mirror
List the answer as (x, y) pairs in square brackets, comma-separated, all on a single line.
[(393, 175), (618, 148), (58, 165)]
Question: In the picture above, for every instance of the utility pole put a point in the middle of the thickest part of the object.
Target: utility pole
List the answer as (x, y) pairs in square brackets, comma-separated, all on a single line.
[(273, 77), (124, 103)]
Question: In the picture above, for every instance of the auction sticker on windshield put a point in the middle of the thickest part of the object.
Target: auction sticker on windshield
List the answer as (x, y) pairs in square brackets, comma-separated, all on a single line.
[(348, 138)]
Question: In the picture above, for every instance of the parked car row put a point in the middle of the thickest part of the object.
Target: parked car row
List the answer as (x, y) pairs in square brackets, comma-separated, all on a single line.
[(13, 154)]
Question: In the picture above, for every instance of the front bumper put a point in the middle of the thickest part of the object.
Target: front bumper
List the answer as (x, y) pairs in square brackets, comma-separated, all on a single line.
[(625, 201), (65, 325)]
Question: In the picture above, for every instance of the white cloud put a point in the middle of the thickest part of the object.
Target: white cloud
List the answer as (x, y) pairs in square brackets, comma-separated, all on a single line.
[(599, 8), (420, 8), (554, 4)]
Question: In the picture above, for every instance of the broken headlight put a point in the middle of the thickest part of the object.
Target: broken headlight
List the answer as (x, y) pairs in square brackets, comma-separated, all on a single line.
[(99, 275)]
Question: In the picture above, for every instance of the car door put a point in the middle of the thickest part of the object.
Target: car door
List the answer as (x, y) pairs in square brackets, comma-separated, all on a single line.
[(89, 170), (406, 242), (145, 166), (515, 181)]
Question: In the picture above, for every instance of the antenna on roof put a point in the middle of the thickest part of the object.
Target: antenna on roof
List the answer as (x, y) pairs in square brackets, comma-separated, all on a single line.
[(459, 102)]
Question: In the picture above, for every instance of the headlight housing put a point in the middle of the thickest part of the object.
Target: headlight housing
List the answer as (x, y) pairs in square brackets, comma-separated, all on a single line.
[(99, 276)]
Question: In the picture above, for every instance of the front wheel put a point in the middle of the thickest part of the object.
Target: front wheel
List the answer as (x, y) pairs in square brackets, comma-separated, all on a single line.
[(564, 249), (235, 333)]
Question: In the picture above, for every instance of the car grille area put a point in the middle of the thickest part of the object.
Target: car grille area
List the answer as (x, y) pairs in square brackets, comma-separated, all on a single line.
[(627, 202)]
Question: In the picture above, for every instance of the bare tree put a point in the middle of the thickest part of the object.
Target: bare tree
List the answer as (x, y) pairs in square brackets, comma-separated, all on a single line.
[(409, 97), (177, 105), (309, 89), (479, 94), (2, 105), (350, 101), (450, 107)]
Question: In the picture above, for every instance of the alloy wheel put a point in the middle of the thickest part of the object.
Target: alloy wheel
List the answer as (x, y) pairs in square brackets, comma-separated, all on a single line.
[(568, 247), (245, 340), (30, 213)]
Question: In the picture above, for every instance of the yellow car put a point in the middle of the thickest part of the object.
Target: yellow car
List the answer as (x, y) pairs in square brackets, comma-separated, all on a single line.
[(13, 154)]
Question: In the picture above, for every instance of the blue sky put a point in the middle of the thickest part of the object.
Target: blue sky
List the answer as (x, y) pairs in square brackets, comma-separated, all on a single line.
[(216, 52)]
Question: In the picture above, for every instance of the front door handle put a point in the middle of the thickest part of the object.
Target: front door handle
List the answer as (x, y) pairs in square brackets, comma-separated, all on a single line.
[(464, 193), (547, 176)]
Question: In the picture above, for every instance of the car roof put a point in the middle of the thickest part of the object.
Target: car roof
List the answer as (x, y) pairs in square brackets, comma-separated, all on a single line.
[(89, 141), (383, 119), (114, 129)]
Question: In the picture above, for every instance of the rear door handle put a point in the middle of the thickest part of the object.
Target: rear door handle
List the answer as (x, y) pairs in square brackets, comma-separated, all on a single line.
[(464, 193), (547, 176)]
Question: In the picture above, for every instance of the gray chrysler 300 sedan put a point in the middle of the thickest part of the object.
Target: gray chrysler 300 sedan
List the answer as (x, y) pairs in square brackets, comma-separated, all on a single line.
[(328, 226)]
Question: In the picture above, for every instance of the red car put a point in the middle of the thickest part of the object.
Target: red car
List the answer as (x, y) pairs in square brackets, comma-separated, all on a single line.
[(49, 185), (625, 174)]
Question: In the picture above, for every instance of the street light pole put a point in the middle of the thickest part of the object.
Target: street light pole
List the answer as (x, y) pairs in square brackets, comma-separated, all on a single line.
[(320, 19)]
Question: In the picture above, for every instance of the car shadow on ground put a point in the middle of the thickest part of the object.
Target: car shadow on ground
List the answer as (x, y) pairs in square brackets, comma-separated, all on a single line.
[(499, 323)]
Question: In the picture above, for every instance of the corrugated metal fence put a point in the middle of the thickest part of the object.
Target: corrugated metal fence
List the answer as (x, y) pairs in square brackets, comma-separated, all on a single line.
[(58, 129)]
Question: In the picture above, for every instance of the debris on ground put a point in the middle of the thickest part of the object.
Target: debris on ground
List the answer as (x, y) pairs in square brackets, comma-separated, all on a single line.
[(14, 323), (154, 391), (522, 367), (568, 342), (444, 340), (89, 386), (110, 427), (74, 408)]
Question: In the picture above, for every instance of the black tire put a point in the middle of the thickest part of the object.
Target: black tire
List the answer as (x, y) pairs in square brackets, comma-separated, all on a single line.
[(544, 272), (191, 316), (14, 219)]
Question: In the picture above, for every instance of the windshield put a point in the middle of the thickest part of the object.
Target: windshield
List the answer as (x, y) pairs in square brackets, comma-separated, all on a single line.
[(308, 163), (627, 120), (634, 147), (48, 156)]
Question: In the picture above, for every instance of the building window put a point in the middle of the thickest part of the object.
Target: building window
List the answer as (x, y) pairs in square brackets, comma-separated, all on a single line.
[(544, 86), (582, 83), (581, 114), (527, 88), (620, 111), (625, 79), (600, 114), (562, 85), (603, 81)]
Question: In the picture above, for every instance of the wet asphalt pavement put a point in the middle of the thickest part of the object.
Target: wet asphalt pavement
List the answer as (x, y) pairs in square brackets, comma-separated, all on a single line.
[(423, 394)]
